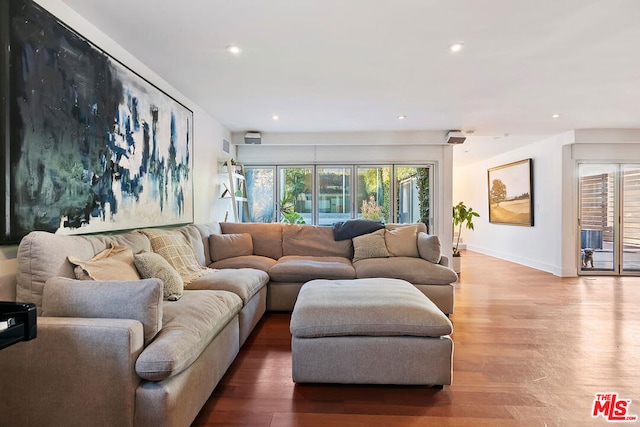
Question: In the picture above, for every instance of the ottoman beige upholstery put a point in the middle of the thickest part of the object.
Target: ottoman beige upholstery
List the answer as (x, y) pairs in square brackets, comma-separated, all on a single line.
[(369, 331)]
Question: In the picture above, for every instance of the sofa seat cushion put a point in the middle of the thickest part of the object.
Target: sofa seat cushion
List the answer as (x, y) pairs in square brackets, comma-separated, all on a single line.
[(246, 261), (295, 268), (188, 326), (244, 282), (415, 270)]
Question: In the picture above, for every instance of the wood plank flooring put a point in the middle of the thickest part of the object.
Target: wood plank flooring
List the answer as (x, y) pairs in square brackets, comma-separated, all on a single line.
[(531, 349)]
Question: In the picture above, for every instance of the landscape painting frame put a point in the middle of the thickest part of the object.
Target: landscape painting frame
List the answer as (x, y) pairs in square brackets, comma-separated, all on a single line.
[(510, 190)]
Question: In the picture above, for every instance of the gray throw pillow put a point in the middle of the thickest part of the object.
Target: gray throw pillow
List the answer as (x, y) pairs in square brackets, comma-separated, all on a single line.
[(138, 300), (370, 245), (151, 265), (429, 247)]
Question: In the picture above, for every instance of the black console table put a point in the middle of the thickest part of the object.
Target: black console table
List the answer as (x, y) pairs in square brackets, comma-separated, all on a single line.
[(17, 322)]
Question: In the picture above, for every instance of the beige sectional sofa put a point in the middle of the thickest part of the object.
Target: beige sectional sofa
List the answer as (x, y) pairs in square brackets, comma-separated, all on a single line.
[(113, 352), (294, 254)]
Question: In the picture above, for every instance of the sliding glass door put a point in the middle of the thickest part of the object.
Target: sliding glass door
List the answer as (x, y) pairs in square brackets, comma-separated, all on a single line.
[(609, 218), (334, 194), (261, 193), (373, 192), (630, 229), (412, 192), (296, 194)]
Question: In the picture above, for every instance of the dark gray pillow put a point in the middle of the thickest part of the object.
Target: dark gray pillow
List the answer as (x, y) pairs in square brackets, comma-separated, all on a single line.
[(344, 230)]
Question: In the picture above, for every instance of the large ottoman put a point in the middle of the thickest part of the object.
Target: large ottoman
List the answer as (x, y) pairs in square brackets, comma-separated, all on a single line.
[(369, 331)]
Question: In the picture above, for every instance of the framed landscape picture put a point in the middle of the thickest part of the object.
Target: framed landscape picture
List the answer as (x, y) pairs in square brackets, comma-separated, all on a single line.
[(511, 193), (87, 144)]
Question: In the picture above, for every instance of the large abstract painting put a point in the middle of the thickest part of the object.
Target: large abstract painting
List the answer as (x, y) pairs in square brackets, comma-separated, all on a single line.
[(87, 144)]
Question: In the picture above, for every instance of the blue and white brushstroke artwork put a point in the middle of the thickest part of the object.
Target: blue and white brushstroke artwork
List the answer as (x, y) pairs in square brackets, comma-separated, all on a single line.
[(94, 147)]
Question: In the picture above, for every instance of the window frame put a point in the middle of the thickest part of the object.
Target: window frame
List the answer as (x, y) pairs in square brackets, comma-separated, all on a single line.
[(393, 211)]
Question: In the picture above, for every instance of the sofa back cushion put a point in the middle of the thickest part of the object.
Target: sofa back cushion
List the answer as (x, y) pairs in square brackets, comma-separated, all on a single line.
[(421, 226), (223, 246), (192, 235), (313, 240), (266, 238), (43, 255), (402, 241), (206, 230)]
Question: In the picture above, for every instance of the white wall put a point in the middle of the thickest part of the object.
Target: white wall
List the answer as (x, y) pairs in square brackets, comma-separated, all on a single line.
[(552, 244), (539, 246), (208, 132), (365, 148)]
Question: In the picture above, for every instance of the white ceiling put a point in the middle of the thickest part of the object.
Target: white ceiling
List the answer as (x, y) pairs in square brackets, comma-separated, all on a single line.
[(355, 65)]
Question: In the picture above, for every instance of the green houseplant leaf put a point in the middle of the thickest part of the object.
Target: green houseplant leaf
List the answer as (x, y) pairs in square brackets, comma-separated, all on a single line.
[(462, 215)]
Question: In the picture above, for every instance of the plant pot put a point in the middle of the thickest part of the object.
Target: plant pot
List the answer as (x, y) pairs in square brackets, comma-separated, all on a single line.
[(455, 263)]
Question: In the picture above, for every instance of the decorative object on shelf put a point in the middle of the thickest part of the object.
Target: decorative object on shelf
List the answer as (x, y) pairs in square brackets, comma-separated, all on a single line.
[(235, 189), (91, 146), (510, 193), (462, 215), (235, 167)]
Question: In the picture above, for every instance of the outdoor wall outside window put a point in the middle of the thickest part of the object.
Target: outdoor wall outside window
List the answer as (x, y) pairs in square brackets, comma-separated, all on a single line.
[(334, 194), (373, 192), (413, 202), (296, 194), (261, 193)]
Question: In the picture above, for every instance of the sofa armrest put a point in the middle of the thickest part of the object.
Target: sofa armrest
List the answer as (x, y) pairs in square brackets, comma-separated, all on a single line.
[(444, 260), (138, 300), (75, 372)]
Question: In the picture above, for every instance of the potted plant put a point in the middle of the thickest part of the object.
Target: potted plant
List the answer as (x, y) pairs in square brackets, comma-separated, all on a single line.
[(462, 215), (288, 211)]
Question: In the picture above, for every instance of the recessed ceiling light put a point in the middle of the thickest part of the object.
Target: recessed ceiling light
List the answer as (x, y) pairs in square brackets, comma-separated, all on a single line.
[(456, 47), (555, 116), (402, 117), (275, 117), (233, 49)]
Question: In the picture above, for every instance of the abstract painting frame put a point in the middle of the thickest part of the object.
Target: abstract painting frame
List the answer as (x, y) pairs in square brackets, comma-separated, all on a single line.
[(510, 189), (88, 145)]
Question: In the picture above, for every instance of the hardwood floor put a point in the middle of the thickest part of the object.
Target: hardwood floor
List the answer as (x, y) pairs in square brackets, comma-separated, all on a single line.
[(531, 349)]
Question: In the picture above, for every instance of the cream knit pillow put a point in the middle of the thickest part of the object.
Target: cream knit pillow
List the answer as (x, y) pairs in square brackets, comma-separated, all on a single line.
[(370, 245)]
